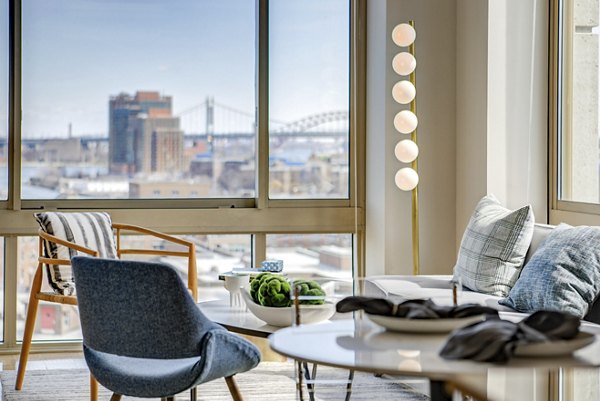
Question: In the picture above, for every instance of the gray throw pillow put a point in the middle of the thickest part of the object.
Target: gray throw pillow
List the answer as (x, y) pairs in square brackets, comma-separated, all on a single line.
[(562, 275), (493, 247)]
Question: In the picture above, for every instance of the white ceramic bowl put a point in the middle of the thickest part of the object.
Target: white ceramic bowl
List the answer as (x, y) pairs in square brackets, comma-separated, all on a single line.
[(282, 317)]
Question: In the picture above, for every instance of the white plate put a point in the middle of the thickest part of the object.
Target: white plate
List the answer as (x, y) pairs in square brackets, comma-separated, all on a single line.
[(282, 317), (423, 325), (556, 348)]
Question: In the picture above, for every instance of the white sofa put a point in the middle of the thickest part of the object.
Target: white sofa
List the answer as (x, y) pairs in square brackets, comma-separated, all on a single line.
[(439, 287)]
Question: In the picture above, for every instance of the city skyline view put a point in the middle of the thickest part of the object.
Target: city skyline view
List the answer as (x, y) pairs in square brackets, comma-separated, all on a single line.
[(201, 56), (147, 155), (194, 51)]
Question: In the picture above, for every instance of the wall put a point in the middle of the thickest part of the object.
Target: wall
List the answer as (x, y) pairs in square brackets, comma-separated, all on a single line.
[(502, 78), (388, 214), (520, 65), (482, 108), (471, 108)]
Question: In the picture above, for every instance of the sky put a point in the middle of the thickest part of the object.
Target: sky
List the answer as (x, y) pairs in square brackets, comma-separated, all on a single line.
[(76, 53)]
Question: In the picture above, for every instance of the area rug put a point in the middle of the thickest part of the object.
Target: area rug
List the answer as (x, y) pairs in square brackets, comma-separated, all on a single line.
[(270, 381)]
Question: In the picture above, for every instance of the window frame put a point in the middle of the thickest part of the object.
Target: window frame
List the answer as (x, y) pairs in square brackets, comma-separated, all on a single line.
[(560, 58), (255, 216)]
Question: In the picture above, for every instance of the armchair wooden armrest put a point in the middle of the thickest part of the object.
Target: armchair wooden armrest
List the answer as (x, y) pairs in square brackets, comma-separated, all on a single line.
[(49, 237), (42, 260), (190, 253)]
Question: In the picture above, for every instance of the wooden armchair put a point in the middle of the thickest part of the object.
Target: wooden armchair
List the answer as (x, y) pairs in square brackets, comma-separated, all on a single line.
[(37, 295)]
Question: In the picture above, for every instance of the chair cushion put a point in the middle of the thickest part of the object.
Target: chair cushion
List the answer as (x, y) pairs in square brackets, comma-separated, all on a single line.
[(222, 354), (143, 377), (92, 230), (493, 247), (562, 275)]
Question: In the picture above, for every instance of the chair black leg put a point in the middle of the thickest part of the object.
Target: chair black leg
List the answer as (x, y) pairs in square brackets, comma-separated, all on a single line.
[(194, 394)]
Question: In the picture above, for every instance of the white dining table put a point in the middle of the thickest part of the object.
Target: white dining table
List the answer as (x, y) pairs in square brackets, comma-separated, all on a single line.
[(361, 345)]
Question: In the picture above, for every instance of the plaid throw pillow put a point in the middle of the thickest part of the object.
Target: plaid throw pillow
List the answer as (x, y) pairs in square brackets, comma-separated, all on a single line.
[(493, 247), (92, 230)]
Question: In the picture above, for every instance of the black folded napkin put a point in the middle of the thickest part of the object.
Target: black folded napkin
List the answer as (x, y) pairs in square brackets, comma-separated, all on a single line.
[(412, 309), (495, 340)]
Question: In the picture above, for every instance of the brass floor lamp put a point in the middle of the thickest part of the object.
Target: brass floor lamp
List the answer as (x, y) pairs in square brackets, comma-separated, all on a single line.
[(404, 92)]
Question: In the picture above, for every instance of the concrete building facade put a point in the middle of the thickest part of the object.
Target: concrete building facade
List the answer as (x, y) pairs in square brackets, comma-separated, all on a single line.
[(125, 139)]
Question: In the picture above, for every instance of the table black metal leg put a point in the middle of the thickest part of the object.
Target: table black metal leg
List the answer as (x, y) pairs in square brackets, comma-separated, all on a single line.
[(438, 391), (349, 385), (310, 385), (310, 381)]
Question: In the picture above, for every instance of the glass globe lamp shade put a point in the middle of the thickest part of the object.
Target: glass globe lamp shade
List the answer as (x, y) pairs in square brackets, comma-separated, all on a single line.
[(407, 179), (404, 92), (404, 63), (406, 151), (405, 122), (404, 35)]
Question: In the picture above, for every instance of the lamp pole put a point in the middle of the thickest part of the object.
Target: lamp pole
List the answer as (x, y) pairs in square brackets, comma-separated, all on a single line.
[(414, 166)]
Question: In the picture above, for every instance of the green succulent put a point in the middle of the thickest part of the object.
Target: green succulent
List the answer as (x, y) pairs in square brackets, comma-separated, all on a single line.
[(310, 288), (255, 285), (274, 291)]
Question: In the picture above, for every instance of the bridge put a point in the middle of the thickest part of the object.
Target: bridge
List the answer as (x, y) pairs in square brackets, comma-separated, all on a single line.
[(212, 118), (211, 121)]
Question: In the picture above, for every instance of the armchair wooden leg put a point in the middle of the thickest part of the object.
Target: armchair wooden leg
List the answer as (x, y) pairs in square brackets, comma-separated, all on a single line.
[(116, 397), (194, 394), (94, 390), (36, 286), (233, 389)]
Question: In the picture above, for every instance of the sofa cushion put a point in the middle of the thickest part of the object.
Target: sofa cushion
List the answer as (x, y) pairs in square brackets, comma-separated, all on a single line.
[(562, 275), (494, 247), (437, 288), (540, 232)]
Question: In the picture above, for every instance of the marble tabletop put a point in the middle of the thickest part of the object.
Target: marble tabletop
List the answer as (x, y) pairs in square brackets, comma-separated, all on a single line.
[(352, 341), (240, 320), (236, 319), (362, 345)]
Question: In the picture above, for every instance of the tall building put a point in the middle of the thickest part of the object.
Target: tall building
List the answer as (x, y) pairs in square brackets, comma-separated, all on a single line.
[(158, 143), (143, 134)]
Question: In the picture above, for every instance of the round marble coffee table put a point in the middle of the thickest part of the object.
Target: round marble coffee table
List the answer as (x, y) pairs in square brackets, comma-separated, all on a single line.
[(361, 345)]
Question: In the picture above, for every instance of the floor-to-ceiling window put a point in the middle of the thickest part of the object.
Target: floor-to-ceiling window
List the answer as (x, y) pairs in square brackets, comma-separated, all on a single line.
[(127, 100), (230, 123), (309, 84), (4, 98), (575, 111)]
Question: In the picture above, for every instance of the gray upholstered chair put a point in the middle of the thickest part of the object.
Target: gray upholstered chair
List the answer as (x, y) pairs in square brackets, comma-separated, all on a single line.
[(144, 336), (63, 235)]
